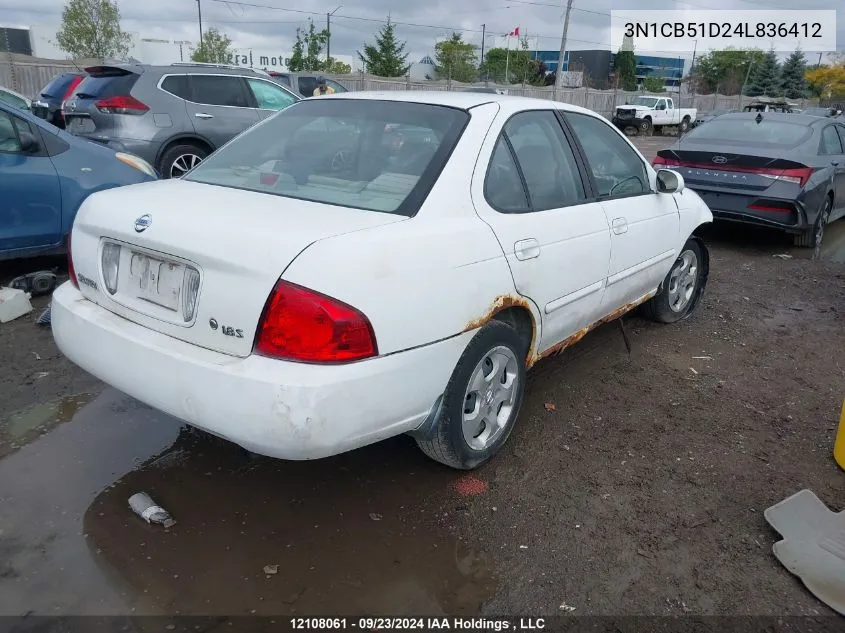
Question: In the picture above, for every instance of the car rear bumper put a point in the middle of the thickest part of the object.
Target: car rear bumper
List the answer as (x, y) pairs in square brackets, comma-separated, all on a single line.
[(280, 409), (787, 215)]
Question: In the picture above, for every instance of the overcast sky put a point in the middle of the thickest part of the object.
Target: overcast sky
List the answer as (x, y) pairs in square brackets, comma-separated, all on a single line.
[(256, 24)]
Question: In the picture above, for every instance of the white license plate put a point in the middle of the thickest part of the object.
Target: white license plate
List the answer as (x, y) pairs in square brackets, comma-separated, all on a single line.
[(80, 125), (156, 281)]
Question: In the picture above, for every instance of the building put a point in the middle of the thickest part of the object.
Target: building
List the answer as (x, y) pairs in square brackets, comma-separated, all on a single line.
[(598, 65), (15, 39), (423, 69)]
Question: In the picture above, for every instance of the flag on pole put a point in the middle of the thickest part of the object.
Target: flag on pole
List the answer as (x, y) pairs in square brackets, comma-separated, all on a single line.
[(514, 33)]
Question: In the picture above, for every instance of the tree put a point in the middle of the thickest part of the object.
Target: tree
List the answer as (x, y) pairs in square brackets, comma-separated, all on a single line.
[(385, 58), (518, 63), (653, 84), (214, 48), (793, 83), (827, 82), (297, 57), (337, 67), (765, 77), (455, 59), (91, 28), (724, 71), (314, 43), (625, 65)]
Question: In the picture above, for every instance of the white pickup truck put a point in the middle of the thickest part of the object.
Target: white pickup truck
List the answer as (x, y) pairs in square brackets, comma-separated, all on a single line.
[(652, 113)]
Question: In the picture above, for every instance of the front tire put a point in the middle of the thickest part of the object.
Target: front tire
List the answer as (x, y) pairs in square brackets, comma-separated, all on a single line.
[(482, 399), (645, 127), (682, 287), (685, 125)]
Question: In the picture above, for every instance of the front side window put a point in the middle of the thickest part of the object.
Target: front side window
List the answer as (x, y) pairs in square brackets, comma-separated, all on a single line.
[(270, 96), (220, 90), (334, 152), (617, 169)]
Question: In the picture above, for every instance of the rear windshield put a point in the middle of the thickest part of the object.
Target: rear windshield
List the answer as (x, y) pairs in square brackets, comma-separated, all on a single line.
[(747, 131), (345, 152), (57, 86), (102, 86)]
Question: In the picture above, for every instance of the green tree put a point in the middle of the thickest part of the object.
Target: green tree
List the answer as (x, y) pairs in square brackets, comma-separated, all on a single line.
[(314, 42), (625, 66), (387, 57), (653, 84), (724, 71), (337, 67), (296, 62), (793, 82), (765, 77), (518, 64), (91, 28), (215, 48), (455, 59)]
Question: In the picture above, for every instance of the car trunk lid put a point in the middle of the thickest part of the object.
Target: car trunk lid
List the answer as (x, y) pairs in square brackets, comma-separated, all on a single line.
[(179, 242), (732, 171)]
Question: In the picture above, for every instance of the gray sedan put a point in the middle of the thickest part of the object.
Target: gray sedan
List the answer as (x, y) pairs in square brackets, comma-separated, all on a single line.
[(785, 171)]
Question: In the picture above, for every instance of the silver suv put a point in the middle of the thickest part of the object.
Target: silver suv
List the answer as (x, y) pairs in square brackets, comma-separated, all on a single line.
[(172, 116)]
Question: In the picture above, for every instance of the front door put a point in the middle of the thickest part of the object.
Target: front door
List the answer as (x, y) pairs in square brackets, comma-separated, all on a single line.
[(555, 238), (644, 225), (30, 197), (221, 107)]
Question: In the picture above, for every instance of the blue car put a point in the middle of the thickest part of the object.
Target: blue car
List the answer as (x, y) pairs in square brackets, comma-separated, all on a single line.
[(45, 174)]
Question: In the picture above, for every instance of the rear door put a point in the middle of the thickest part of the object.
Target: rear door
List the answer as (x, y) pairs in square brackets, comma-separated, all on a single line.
[(554, 235), (30, 197), (221, 107), (833, 139), (644, 224)]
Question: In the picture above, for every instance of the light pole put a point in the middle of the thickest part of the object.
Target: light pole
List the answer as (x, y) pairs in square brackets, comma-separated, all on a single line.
[(329, 33), (199, 15), (559, 75)]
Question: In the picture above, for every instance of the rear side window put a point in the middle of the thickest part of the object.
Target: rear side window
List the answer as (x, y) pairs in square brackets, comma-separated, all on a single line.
[(747, 132), (503, 186), (177, 85), (337, 87), (830, 141), (107, 85), (12, 100), (269, 96), (220, 90)]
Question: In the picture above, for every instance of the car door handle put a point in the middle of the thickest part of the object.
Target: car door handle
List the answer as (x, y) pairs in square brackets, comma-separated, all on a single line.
[(526, 249), (835, 163), (620, 226), (203, 115)]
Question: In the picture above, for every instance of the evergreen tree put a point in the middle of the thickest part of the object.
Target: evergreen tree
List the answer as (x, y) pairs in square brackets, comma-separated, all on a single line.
[(386, 58), (765, 77), (625, 65), (793, 83)]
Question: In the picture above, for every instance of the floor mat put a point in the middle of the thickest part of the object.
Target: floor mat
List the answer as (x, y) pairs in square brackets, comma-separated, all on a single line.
[(813, 545)]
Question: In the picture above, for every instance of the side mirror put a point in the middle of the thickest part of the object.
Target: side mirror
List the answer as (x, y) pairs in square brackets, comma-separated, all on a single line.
[(28, 143), (669, 181)]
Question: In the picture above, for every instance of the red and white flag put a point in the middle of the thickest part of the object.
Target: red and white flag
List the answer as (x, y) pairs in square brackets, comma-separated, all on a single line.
[(514, 33)]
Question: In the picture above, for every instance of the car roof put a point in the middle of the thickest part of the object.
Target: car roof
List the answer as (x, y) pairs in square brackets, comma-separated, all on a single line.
[(789, 117), (14, 93), (454, 99)]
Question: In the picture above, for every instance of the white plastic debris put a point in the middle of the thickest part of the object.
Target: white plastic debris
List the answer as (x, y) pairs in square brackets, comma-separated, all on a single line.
[(271, 570), (143, 505), (14, 303), (566, 608)]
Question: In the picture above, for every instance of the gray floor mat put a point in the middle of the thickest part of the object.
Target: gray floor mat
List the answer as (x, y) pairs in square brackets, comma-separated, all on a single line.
[(813, 545)]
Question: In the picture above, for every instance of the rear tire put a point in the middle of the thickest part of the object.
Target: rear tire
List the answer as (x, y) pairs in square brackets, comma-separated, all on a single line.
[(813, 238), (482, 399), (685, 126), (683, 286), (180, 159)]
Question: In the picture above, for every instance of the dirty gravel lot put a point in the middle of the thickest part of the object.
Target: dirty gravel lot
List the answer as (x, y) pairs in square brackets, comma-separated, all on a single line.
[(633, 484)]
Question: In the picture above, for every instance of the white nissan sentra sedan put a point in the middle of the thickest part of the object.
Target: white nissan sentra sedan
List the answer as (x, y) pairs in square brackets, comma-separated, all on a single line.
[(365, 265)]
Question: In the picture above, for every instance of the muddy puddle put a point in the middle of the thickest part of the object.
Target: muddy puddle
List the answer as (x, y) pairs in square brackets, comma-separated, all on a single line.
[(357, 534)]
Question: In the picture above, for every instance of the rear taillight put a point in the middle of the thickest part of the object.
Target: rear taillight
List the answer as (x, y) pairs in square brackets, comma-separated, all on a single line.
[(70, 270), (111, 266), (659, 161), (799, 175), (302, 325), (121, 105), (190, 292)]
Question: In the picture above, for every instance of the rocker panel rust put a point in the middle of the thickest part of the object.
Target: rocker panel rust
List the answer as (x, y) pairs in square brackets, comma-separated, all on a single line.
[(503, 302)]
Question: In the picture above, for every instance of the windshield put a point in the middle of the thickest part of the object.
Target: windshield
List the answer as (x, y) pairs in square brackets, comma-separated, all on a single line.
[(746, 131), (365, 154), (645, 101)]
